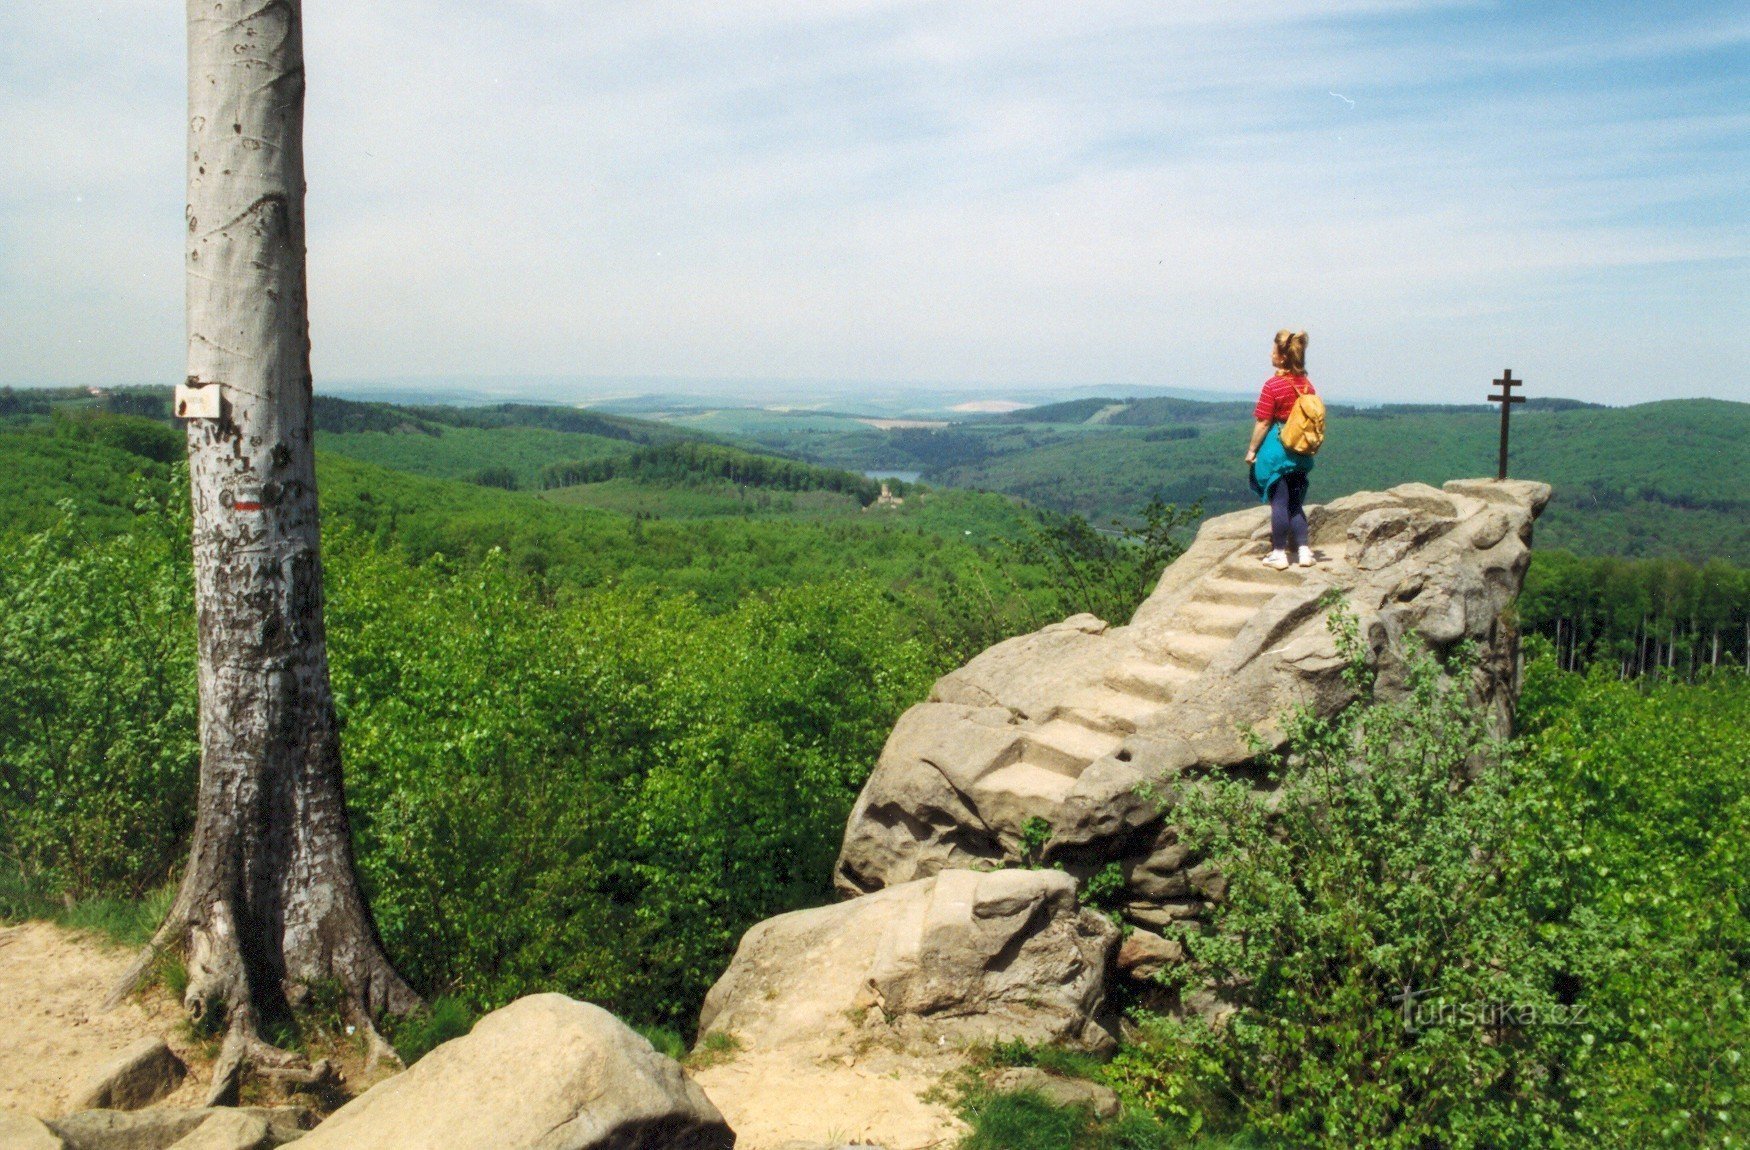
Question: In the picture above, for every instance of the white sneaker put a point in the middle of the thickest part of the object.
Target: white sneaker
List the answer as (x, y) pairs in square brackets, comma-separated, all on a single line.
[(1306, 557), (1276, 559)]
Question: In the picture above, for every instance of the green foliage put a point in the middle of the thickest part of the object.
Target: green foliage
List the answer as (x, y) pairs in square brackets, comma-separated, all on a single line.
[(682, 461), (418, 1034), (1107, 574), (1023, 1120), (123, 921), (1035, 833), (1636, 831), (1654, 491), (23, 896), (146, 438), (98, 749), (1661, 617), (1430, 940), (551, 796), (1370, 909)]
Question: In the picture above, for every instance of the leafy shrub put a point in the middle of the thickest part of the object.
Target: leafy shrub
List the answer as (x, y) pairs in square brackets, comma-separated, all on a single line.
[(1371, 911), (599, 797), (98, 745), (1591, 879)]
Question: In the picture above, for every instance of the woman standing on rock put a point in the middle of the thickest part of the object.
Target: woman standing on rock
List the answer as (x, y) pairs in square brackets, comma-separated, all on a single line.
[(1279, 475)]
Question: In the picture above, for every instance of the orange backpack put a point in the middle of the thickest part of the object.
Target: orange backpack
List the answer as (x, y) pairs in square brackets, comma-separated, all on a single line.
[(1304, 431)]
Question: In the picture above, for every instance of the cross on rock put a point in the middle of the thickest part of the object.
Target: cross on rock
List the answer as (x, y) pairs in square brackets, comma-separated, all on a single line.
[(1506, 399)]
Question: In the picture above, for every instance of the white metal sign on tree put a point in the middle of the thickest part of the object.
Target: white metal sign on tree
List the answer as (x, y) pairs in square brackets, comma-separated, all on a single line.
[(270, 905)]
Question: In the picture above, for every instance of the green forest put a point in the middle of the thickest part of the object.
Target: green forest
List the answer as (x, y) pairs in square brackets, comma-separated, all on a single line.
[(592, 732), (1637, 482)]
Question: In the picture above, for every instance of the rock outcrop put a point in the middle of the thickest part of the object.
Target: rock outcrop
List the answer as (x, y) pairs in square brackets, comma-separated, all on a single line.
[(1086, 725), (21, 1132), (139, 1076), (962, 956), (545, 1072), (179, 1128)]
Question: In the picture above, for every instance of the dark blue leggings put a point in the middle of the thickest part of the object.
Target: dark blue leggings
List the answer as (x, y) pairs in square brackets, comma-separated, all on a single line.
[(1287, 513)]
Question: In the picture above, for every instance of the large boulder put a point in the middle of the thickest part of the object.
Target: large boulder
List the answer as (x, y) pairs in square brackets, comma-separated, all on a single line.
[(962, 956), (545, 1072), (1087, 726)]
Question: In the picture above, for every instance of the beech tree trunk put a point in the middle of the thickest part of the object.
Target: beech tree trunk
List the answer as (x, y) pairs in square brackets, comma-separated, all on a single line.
[(270, 906)]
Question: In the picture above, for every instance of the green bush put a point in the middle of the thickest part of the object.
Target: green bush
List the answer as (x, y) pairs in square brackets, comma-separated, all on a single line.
[(1568, 917), (601, 796), (98, 747), (1371, 907)]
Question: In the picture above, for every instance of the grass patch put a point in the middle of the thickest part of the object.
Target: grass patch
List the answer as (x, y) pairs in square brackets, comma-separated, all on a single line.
[(716, 1047), (122, 921), (1022, 1120), (668, 1042), (1051, 1059), (424, 1030)]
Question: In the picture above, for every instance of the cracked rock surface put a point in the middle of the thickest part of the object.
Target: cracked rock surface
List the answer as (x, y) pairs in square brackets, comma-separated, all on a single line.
[(1086, 725)]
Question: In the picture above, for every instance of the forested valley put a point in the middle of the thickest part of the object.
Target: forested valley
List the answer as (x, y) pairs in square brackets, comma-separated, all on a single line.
[(608, 688)]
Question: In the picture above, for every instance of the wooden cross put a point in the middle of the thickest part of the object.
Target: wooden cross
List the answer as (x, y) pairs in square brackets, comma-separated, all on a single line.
[(1506, 399)]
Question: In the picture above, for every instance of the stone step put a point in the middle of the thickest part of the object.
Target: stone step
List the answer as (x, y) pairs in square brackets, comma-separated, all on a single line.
[(1235, 592), (1207, 618), (1061, 745), (1189, 649), (1157, 682), (1024, 781), (1105, 709), (1245, 568)]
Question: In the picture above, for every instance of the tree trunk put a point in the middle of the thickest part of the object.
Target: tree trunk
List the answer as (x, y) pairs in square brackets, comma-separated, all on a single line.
[(270, 906)]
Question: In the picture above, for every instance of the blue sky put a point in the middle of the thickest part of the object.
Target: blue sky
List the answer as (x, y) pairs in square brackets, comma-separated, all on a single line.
[(997, 195)]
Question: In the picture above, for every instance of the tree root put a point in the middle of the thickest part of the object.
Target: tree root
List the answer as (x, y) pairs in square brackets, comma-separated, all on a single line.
[(378, 1052), (219, 988), (245, 1050)]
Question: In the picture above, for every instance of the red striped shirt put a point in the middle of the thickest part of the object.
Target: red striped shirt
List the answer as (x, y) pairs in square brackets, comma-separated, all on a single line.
[(1276, 401)]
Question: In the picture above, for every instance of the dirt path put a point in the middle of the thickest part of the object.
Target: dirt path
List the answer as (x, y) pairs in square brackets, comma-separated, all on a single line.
[(52, 1035), (771, 1097)]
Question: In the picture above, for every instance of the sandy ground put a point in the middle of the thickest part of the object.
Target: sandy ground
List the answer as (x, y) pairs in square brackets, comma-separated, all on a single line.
[(52, 1035), (53, 1038), (770, 1097)]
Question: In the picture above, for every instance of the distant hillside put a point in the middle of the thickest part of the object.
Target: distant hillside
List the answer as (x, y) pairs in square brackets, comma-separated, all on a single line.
[(1637, 481), (712, 540)]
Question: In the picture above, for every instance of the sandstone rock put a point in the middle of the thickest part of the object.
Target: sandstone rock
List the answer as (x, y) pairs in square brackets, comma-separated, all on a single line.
[(545, 1071), (19, 1132), (228, 1130), (1091, 727), (962, 956), (137, 1077), (1101, 1100), (1145, 954), (161, 1128)]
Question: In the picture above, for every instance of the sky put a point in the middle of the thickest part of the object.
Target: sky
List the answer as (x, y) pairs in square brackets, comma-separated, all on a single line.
[(989, 196)]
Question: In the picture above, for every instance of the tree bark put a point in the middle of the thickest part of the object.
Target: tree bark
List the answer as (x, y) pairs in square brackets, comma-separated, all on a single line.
[(270, 906)]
